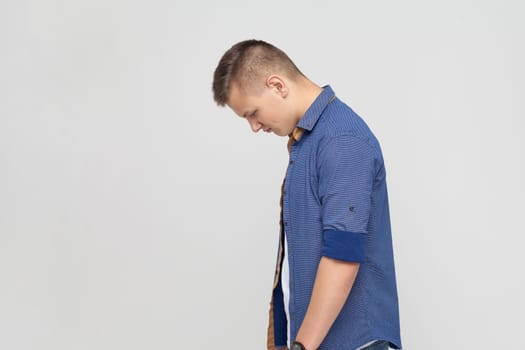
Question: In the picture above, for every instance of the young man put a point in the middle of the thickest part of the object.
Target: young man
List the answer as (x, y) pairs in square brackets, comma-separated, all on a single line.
[(335, 285)]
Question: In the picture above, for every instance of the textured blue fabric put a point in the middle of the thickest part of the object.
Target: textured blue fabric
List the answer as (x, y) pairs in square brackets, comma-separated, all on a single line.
[(279, 316), (346, 246), (335, 185)]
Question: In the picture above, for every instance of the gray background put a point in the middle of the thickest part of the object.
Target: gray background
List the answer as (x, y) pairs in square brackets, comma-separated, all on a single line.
[(135, 214)]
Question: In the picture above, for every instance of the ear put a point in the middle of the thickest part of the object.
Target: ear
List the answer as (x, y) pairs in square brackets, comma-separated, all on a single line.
[(278, 84)]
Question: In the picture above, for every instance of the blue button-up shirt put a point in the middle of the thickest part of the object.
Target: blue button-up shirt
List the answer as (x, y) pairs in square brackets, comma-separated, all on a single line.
[(335, 204)]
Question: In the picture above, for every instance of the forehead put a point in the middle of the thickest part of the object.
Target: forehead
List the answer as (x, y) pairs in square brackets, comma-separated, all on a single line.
[(240, 100)]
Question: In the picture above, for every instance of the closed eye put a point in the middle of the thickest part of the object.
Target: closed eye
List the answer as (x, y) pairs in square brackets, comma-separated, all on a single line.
[(249, 115)]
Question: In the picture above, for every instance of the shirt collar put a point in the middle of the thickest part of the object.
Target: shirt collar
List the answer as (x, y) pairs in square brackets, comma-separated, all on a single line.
[(310, 118)]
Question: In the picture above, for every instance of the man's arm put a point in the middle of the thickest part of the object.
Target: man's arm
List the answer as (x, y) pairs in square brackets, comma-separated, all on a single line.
[(332, 286)]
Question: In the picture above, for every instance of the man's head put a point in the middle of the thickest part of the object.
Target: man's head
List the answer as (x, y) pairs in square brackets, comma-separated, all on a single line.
[(260, 83), (246, 65)]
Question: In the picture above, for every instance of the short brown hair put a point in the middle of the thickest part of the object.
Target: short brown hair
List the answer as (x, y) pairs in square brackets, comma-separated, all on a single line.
[(247, 61)]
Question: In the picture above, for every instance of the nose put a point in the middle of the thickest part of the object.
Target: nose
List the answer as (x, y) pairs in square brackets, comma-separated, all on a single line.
[(255, 125)]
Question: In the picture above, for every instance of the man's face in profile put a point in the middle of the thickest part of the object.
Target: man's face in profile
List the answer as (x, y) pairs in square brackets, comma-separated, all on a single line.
[(268, 110)]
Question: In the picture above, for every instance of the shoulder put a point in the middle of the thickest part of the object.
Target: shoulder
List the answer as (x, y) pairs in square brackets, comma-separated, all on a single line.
[(341, 127)]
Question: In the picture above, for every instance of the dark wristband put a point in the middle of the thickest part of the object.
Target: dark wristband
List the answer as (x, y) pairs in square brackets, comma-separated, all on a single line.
[(297, 346)]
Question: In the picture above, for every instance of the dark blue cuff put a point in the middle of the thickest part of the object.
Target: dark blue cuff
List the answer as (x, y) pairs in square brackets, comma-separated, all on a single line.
[(344, 245), (280, 325)]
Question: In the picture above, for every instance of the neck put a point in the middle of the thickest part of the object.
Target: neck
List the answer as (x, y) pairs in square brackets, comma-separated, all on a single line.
[(307, 92)]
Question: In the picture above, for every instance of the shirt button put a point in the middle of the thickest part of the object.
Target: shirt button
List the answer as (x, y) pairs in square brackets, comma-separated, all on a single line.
[(291, 161), (286, 223)]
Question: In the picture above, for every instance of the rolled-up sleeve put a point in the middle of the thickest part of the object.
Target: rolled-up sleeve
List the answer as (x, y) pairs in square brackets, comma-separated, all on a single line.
[(346, 172)]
